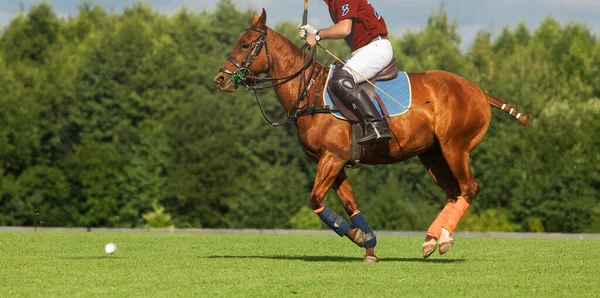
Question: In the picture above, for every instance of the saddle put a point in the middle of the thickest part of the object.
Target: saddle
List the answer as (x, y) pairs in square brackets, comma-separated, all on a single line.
[(390, 72)]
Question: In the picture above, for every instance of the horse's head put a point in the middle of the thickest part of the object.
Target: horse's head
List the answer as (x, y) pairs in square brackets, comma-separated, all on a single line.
[(248, 58)]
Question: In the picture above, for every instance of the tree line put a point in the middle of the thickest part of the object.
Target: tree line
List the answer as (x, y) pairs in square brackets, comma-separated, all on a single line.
[(112, 119)]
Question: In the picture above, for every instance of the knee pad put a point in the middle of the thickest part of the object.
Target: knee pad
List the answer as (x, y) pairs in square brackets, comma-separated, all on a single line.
[(343, 86)]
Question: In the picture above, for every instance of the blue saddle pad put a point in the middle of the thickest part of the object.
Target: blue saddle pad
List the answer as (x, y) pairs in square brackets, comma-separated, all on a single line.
[(398, 88)]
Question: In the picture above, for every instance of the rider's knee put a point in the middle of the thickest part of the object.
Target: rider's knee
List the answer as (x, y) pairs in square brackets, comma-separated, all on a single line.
[(342, 84)]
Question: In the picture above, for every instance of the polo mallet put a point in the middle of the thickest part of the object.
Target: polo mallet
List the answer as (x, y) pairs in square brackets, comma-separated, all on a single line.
[(305, 15)]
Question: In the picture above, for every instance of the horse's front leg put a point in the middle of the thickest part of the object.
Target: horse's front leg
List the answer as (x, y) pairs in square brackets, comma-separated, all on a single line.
[(362, 234), (328, 172)]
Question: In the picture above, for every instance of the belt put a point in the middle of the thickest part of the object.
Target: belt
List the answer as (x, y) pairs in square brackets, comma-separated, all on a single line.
[(379, 37)]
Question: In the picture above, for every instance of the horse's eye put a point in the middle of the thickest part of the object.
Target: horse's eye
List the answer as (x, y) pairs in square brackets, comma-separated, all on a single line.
[(245, 46)]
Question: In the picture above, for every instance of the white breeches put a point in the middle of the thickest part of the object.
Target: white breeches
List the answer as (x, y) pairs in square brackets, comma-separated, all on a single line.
[(370, 60)]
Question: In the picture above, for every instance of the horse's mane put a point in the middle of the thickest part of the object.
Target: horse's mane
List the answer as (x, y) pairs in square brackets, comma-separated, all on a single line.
[(296, 51)]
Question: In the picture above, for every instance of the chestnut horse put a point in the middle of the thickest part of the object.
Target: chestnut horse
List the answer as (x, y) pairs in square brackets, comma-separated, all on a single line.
[(448, 117)]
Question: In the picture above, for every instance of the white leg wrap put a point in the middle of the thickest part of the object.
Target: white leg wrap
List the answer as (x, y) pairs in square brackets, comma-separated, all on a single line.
[(511, 110), (445, 233), (518, 116), (503, 106)]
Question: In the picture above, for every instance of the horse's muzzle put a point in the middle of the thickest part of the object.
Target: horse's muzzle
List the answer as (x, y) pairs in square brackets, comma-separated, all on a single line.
[(224, 82)]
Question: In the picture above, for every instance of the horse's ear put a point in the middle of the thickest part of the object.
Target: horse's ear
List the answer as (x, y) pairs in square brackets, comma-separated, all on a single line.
[(260, 22)]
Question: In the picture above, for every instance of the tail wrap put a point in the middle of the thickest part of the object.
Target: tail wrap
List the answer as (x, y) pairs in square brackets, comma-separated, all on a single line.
[(500, 104)]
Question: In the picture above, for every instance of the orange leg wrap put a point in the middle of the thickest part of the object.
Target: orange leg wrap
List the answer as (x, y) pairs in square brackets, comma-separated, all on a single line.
[(455, 212), (435, 229)]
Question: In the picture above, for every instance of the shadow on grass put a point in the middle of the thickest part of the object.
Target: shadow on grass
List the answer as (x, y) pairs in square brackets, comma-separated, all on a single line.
[(87, 257), (338, 259)]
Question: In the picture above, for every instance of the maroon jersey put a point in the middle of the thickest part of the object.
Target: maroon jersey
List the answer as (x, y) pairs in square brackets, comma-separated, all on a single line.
[(367, 23)]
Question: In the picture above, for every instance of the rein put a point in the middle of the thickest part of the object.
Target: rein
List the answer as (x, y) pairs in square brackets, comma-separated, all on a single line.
[(243, 76)]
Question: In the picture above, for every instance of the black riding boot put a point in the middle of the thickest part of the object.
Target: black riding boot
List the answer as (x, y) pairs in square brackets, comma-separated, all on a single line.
[(376, 128), (343, 85)]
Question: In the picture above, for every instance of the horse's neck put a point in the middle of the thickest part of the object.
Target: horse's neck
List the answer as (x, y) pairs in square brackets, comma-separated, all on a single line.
[(286, 59)]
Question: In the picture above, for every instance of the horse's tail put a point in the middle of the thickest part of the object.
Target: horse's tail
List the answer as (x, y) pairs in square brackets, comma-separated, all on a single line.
[(500, 104)]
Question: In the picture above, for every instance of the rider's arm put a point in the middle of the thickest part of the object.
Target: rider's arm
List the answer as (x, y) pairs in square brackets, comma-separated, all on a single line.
[(337, 31)]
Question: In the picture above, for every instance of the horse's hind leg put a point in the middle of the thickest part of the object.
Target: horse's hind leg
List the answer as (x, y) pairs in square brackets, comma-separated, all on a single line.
[(458, 161), (362, 234), (437, 166), (456, 148)]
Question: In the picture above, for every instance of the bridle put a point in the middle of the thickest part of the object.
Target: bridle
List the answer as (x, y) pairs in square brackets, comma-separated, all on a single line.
[(244, 76), (243, 73)]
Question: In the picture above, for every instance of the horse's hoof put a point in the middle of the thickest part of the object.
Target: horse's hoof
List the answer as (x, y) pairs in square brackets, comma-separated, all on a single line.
[(429, 247), (446, 246), (357, 236), (371, 259), (446, 242)]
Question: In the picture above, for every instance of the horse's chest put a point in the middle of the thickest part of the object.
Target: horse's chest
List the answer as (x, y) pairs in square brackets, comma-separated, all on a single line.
[(324, 133)]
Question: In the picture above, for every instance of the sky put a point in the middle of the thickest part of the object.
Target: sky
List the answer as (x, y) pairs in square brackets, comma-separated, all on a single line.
[(400, 15)]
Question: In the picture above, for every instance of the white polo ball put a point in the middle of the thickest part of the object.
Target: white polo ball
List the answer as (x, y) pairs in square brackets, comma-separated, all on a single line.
[(110, 248)]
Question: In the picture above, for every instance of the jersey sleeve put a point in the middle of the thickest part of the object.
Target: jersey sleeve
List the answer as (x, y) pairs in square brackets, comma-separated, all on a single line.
[(346, 9)]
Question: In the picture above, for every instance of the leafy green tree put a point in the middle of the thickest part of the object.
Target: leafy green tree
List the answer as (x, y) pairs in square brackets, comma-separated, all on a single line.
[(108, 116), (436, 47)]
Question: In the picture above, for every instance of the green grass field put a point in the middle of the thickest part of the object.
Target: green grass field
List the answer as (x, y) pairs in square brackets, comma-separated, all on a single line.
[(74, 264)]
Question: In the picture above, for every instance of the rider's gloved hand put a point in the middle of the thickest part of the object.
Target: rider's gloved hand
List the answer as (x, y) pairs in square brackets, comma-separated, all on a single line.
[(306, 30)]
